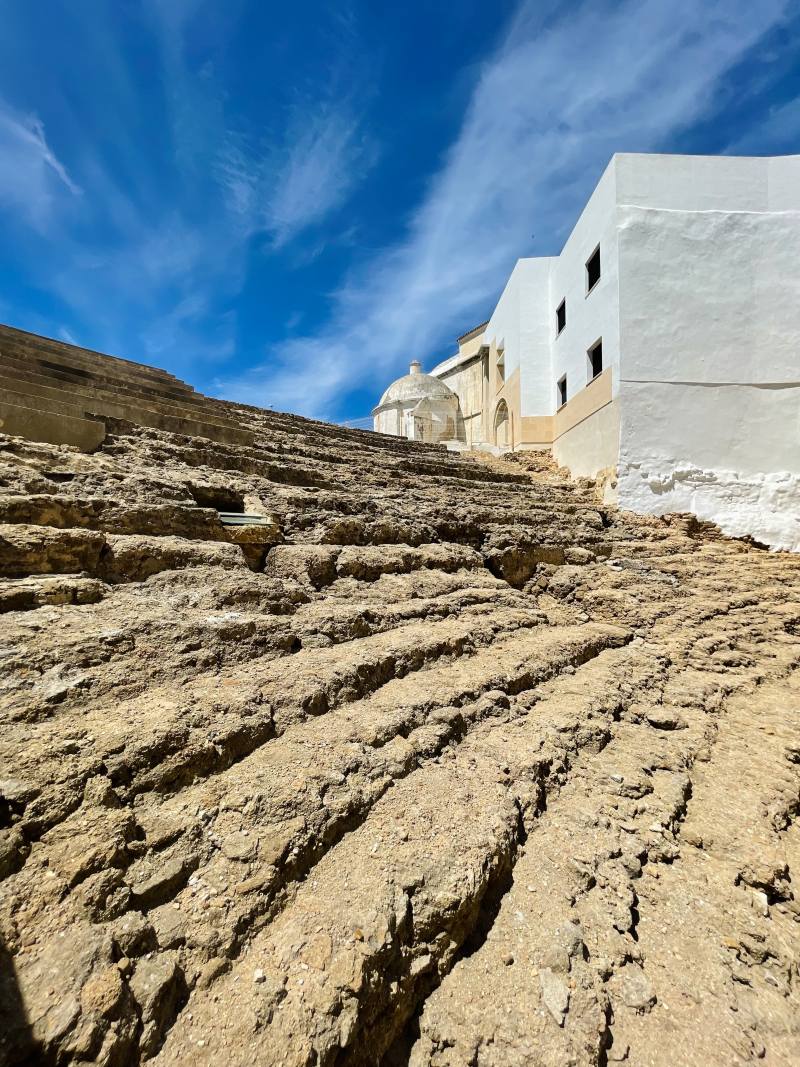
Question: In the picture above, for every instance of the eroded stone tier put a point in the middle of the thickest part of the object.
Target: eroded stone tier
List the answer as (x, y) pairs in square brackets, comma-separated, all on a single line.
[(442, 762)]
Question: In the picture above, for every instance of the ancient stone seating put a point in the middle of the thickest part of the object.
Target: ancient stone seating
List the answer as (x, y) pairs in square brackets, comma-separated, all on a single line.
[(58, 393), (442, 762)]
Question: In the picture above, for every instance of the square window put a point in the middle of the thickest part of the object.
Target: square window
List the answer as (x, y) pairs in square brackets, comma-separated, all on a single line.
[(561, 316), (595, 355), (562, 391), (593, 270)]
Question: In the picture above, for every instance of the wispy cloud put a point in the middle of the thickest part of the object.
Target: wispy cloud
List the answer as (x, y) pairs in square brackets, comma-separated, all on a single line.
[(303, 164), (324, 154), (153, 259), (560, 95), (31, 174), (327, 155)]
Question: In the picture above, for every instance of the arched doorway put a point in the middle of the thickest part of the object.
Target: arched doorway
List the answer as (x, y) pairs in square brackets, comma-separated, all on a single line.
[(502, 425)]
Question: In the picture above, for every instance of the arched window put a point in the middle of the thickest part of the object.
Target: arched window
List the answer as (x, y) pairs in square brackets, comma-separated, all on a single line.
[(502, 425)]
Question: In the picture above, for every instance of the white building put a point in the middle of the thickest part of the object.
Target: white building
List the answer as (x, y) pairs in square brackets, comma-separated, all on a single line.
[(660, 351), (419, 407)]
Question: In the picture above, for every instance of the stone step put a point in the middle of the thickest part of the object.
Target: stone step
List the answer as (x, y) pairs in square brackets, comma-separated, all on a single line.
[(412, 880), (32, 345), (112, 403), (218, 456), (388, 732), (248, 703), (29, 550), (27, 594), (364, 440), (61, 378), (60, 423), (241, 618), (112, 517), (571, 924), (102, 372), (39, 424)]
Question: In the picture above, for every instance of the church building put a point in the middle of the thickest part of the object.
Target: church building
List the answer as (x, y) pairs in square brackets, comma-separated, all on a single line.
[(659, 353)]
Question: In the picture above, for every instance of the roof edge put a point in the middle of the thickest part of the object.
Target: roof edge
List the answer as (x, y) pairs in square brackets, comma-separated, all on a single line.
[(473, 332)]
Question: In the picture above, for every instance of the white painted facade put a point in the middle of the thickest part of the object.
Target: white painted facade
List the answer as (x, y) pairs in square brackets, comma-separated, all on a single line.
[(419, 407), (697, 306), (710, 331)]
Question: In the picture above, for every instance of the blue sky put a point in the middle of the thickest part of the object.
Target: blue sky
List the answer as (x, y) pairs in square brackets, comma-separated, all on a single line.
[(285, 203)]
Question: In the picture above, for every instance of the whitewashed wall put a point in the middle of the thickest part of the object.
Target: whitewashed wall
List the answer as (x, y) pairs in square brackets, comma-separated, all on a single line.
[(519, 322), (390, 421), (710, 340), (698, 308), (593, 316)]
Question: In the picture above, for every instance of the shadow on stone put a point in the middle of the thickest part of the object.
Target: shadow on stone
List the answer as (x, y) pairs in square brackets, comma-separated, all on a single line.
[(17, 1044)]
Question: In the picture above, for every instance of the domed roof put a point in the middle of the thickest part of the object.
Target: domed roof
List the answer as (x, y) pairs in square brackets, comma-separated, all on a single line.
[(415, 386)]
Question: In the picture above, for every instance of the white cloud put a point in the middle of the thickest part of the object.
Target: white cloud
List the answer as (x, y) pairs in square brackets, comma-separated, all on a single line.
[(557, 98), (301, 181), (328, 155), (303, 164), (31, 175), (146, 275)]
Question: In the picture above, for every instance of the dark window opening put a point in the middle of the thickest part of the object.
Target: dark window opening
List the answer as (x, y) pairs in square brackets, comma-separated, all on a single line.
[(561, 317), (595, 355), (593, 270), (562, 391)]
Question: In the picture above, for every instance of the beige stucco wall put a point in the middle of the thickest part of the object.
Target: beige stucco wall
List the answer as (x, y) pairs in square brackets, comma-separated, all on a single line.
[(504, 390), (583, 434), (591, 445), (470, 347), (466, 381), (583, 404), (480, 397), (543, 430), (537, 431)]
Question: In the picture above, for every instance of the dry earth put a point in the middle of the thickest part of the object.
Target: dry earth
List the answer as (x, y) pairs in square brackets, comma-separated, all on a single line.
[(446, 764)]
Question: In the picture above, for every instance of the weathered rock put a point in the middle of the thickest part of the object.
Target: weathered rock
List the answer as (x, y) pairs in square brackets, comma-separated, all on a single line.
[(635, 989), (133, 558), (555, 994), (161, 879), (665, 718), (30, 593), (29, 550), (158, 987), (311, 564), (133, 934), (461, 772)]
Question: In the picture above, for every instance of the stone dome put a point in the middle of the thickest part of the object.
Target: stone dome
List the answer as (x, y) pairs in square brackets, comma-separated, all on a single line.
[(416, 386)]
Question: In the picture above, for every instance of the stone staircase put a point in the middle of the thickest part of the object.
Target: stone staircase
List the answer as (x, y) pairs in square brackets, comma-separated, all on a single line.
[(61, 394), (437, 756)]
